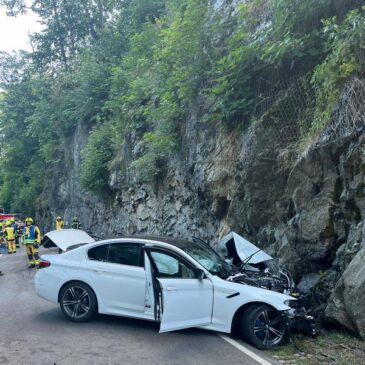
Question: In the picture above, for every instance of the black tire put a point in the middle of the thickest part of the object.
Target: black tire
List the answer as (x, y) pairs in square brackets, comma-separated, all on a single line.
[(78, 302), (263, 326)]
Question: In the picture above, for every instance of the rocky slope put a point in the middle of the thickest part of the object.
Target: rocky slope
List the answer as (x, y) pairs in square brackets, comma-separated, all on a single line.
[(308, 212)]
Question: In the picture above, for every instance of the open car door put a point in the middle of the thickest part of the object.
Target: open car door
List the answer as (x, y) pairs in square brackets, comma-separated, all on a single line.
[(185, 295)]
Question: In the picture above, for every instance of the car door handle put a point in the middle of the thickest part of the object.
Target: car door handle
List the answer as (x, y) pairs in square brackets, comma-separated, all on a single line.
[(171, 288), (99, 269)]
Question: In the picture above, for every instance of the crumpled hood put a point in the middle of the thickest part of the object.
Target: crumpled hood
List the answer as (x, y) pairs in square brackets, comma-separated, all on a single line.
[(65, 238), (234, 245)]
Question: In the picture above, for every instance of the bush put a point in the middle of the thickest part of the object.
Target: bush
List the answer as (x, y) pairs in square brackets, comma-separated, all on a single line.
[(94, 172), (344, 44)]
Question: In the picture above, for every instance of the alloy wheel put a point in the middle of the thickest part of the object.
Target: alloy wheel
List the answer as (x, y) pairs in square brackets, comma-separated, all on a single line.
[(76, 302), (269, 327)]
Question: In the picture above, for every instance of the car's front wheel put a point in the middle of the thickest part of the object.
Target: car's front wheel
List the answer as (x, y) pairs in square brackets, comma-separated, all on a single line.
[(77, 302), (263, 326)]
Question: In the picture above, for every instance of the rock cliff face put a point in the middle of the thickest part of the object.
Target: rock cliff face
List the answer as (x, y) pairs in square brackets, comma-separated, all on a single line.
[(307, 214), (346, 304), (308, 210)]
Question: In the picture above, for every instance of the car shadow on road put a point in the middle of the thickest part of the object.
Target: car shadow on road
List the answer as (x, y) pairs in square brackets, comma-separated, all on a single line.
[(103, 319), (142, 324), (51, 316), (54, 317)]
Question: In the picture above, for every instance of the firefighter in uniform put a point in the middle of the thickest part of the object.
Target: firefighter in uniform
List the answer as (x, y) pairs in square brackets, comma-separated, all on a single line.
[(12, 220), (76, 223), (19, 231), (10, 234), (59, 223), (32, 239), (2, 233)]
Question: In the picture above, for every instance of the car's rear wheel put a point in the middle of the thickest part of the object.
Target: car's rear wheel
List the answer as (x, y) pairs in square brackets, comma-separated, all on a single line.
[(263, 326), (77, 302)]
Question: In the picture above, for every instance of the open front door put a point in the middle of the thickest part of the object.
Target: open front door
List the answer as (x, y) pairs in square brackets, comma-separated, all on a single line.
[(186, 300)]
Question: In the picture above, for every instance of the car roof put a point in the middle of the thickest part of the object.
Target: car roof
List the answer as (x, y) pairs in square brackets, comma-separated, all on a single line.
[(178, 242)]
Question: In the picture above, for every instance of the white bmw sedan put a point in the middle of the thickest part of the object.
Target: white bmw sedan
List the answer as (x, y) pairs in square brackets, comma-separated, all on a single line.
[(178, 283)]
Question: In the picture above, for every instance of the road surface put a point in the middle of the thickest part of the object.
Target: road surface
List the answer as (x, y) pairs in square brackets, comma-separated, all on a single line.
[(34, 331)]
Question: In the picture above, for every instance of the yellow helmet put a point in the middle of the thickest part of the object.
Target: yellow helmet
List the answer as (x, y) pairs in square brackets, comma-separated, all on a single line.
[(8, 223), (29, 219), (58, 218), (12, 219)]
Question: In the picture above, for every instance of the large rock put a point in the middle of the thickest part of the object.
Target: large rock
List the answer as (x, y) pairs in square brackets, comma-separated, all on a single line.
[(347, 251), (308, 282), (347, 302)]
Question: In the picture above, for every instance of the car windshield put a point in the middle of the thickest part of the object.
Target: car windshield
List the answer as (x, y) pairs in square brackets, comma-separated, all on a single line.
[(206, 256)]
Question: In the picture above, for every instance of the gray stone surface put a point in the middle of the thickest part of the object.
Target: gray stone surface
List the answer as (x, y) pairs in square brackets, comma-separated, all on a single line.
[(303, 212), (346, 304), (308, 282)]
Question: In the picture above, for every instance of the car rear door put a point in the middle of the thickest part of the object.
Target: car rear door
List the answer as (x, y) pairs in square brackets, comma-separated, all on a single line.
[(118, 277), (185, 301)]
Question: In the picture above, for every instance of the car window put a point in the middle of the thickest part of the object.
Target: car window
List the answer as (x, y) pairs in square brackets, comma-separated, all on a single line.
[(125, 254), (169, 266), (99, 253)]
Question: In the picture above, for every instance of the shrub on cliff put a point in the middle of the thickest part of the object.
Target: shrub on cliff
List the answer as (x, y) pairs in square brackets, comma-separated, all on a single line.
[(94, 172)]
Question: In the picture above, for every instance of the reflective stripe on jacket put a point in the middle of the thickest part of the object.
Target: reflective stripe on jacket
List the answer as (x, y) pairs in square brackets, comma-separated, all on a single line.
[(32, 234), (76, 225)]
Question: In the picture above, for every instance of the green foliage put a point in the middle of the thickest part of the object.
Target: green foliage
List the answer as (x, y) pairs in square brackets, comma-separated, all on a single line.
[(345, 44), (182, 58), (145, 167), (20, 171), (70, 25), (138, 69), (159, 78), (159, 144), (233, 73), (283, 37), (160, 141), (94, 172), (131, 82)]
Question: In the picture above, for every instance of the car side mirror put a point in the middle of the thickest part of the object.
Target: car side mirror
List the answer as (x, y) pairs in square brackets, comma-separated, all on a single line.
[(199, 274)]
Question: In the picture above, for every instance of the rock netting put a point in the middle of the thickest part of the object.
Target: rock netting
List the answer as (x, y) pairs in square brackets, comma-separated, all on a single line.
[(307, 214)]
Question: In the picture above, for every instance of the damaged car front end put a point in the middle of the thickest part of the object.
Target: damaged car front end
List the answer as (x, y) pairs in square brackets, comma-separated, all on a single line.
[(250, 265)]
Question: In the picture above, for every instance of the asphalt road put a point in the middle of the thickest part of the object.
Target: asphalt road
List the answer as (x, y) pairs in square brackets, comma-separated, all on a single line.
[(34, 331)]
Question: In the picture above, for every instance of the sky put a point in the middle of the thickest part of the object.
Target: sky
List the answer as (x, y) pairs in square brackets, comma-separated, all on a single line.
[(14, 31)]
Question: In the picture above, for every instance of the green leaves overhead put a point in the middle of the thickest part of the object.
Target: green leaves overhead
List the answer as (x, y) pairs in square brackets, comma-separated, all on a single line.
[(20, 173), (346, 51), (142, 68), (70, 27)]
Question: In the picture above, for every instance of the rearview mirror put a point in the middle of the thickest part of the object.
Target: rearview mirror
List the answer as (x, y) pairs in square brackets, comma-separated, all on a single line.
[(199, 274)]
